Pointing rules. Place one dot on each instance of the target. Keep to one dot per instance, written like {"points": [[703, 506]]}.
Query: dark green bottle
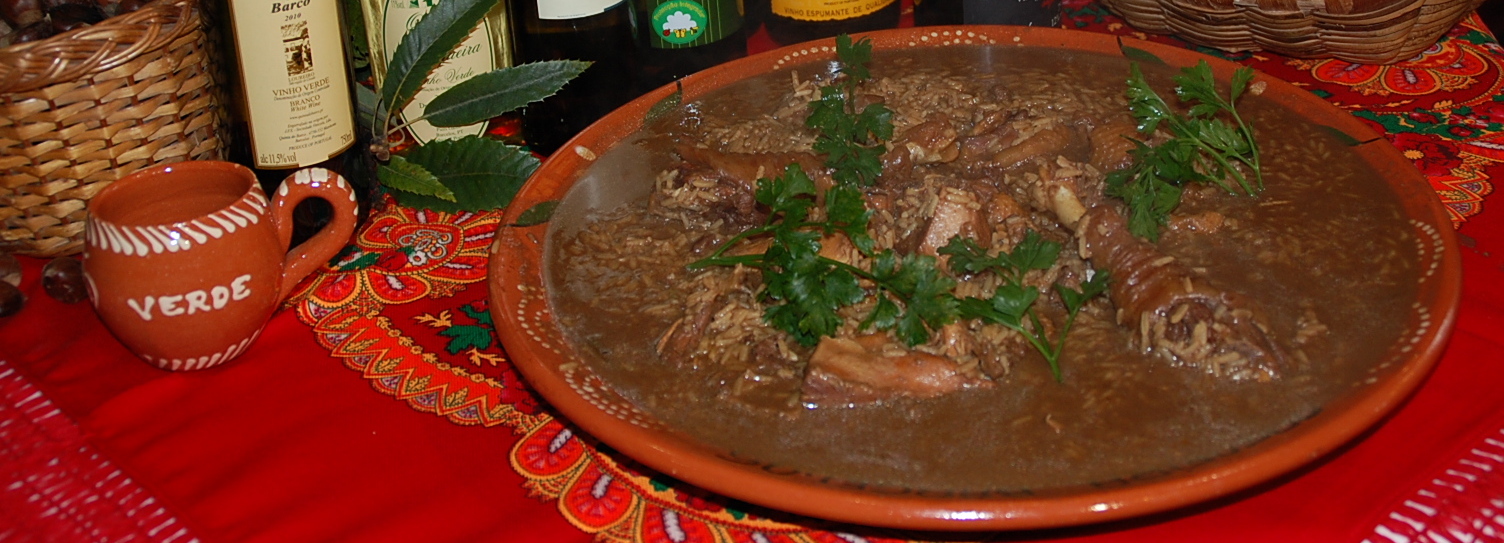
{"points": [[600, 31], [681, 37]]}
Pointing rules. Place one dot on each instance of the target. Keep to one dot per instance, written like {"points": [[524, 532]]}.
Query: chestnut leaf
{"points": [[482, 173], [412, 179], [501, 91]]}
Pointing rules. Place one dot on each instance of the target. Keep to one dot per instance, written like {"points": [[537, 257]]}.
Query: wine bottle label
{"points": [[679, 24], [574, 9], [827, 10], [475, 56], [293, 77]]}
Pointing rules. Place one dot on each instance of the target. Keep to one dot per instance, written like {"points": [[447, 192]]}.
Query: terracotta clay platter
{"points": [[553, 365]]}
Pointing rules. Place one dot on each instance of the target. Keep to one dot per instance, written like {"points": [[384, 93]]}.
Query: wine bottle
{"points": [[987, 12], [794, 21], [487, 48], [600, 31], [938, 12], [291, 94], [681, 37]]}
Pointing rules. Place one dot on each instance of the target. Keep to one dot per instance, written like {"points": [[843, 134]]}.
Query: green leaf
{"points": [[884, 316], [413, 179], [1140, 55], [1241, 77], [854, 56], [538, 214], [927, 293], [426, 45], [667, 104], [1011, 302], [465, 336], [846, 212], [501, 91], [790, 194], [1198, 84], [365, 102], [968, 257], [1033, 253], [1075, 299], [1342, 137], [483, 173]]}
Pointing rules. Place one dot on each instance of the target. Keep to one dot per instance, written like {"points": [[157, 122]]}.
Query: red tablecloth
{"points": [[379, 407]]}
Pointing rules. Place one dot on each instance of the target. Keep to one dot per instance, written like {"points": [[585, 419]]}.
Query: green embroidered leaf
{"points": [[413, 179], [465, 336], [426, 45], [481, 316], [538, 214], [483, 174], [493, 93]]}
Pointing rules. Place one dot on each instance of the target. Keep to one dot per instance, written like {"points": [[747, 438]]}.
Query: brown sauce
{"points": [[1325, 242]]}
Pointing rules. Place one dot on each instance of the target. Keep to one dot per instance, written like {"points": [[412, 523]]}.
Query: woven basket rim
{"points": [[110, 43]]}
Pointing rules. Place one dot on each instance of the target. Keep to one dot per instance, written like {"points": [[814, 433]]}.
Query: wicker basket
{"points": [[1363, 31], [88, 106]]}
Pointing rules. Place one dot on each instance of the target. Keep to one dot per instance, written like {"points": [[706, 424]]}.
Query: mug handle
{"points": [[309, 255]]}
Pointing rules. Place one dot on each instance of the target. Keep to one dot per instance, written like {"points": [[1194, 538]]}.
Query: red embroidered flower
{"points": [[516, 393], [1432, 156], [1462, 130], [403, 254], [1490, 111], [1424, 117]]}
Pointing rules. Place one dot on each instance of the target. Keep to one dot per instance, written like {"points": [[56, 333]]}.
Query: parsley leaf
{"points": [[1203, 147], [804, 293], [1012, 302]]}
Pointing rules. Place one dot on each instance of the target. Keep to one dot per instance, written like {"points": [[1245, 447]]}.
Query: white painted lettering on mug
{"points": [[197, 301]]}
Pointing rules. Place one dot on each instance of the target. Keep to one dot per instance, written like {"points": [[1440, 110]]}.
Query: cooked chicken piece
{"points": [[872, 368], [1110, 144], [957, 213], [1178, 314]]}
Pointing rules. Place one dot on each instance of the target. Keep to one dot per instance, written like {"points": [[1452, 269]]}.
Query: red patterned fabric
{"points": [[58, 489], [1463, 501], [381, 408]]}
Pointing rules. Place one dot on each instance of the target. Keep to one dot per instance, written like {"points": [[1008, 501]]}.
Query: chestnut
{"points": [[67, 17], [63, 280], [39, 30], [48, 5], [21, 12], [127, 6], [10, 269], [11, 299]]}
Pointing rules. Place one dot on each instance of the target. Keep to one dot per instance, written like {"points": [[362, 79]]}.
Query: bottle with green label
{"points": [[681, 37]]}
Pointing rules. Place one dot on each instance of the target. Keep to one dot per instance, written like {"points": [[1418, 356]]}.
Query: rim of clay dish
{"points": [[540, 352]]}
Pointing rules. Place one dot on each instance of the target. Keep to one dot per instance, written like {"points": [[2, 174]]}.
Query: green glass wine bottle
{"points": [[681, 37], [600, 31]]}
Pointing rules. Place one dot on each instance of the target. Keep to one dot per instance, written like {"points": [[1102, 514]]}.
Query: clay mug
{"points": [[186, 262]]}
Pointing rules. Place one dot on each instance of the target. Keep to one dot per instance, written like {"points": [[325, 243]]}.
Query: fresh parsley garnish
{"points": [[804, 292], [1013, 302], [851, 140], [1203, 146]]}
